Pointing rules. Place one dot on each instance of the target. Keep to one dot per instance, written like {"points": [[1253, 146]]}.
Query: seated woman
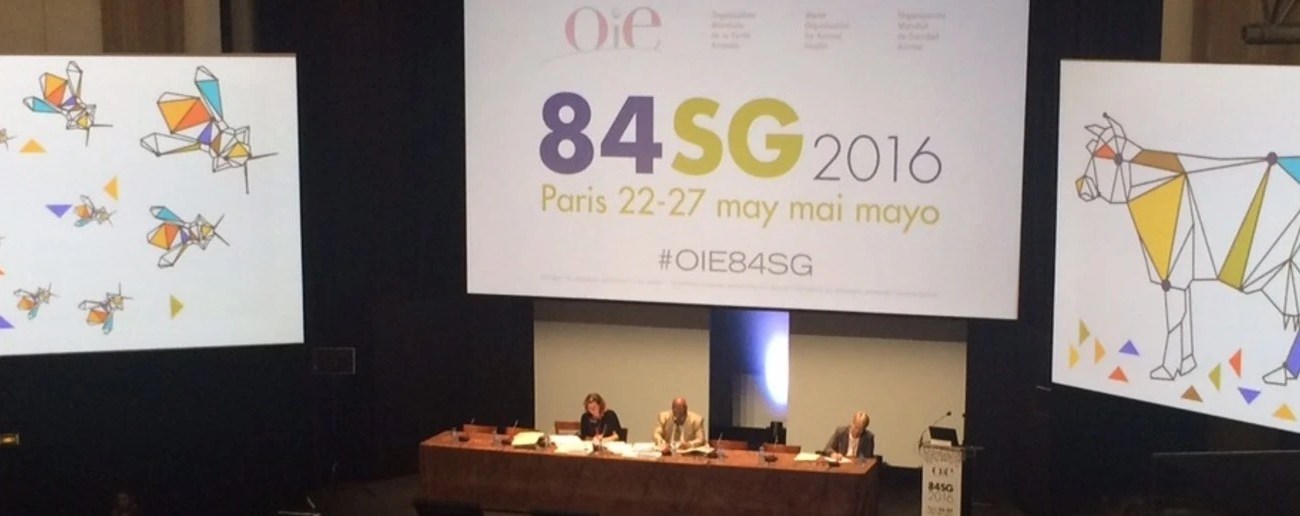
{"points": [[598, 423]]}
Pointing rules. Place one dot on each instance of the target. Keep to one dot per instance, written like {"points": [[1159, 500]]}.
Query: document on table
{"points": [[565, 439], [617, 447], [579, 448], [814, 457], [698, 450]]}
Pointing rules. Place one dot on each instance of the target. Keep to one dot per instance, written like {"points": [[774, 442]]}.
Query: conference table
{"points": [[494, 476]]}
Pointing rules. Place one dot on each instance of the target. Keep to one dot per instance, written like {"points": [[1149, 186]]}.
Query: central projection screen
{"points": [[827, 155], [148, 203]]}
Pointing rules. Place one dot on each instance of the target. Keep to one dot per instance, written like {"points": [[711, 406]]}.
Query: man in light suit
{"points": [[852, 441], [679, 428]]}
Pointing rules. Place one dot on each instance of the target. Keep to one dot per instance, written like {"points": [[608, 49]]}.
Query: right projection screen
{"points": [[1178, 196]]}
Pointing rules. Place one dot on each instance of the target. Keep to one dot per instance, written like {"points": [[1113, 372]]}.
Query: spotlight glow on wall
{"points": [[776, 368]]}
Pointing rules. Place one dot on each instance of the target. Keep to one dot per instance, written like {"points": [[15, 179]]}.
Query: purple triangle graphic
{"points": [[58, 209], [4, 325], [1248, 394], [1129, 349]]}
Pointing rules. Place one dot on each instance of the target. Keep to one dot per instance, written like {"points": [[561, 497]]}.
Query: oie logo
{"points": [[588, 30]]}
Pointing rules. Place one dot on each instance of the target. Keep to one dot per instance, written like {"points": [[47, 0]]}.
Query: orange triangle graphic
{"points": [[1098, 351], [1235, 361], [111, 188], [1105, 152], [32, 147], [1118, 375], [1191, 394]]}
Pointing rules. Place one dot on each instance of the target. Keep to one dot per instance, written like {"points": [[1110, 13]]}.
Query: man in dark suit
{"points": [[852, 441]]}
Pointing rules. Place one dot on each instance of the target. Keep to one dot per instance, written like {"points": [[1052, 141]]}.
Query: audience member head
{"points": [[594, 405], [860, 422], [124, 505]]}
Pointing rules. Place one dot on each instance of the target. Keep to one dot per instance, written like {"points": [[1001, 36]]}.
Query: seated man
{"points": [[852, 441], [679, 428]]}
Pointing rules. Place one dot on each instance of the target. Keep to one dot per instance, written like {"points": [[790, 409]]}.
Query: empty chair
{"points": [[478, 429], [781, 448], [724, 444], [567, 427]]}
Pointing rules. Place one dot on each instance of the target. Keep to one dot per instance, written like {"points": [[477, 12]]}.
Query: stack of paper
{"points": [[526, 439]]}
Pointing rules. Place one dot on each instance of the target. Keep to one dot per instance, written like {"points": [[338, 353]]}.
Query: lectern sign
{"points": [[941, 481]]}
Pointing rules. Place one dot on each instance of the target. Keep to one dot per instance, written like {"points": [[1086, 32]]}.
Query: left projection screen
{"points": [[148, 203]]}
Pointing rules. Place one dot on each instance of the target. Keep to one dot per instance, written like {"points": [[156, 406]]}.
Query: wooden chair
{"points": [[567, 427], [725, 444], [478, 429], [781, 448]]}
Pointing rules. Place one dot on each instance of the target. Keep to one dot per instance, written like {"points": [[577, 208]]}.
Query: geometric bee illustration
{"points": [[31, 302], [102, 312], [5, 138], [62, 96], [174, 235], [198, 124], [87, 212]]}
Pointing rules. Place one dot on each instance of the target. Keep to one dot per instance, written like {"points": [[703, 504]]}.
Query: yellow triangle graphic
{"points": [[111, 188], [1215, 375], [1098, 350], [1155, 214], [1284, 412], [32, 147], [1234, 267], [177, 306], [1074, 356], [1083, 332]]}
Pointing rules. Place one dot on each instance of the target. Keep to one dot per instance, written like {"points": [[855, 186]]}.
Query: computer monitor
{"points": [[939, 433]]}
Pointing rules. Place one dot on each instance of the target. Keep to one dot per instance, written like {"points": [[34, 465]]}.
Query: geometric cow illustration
{"points": [[1232, 220]]}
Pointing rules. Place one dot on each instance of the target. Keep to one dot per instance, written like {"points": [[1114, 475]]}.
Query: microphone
{"points": [[920, 439], [713, 452], [464, 436], [506, 437]]}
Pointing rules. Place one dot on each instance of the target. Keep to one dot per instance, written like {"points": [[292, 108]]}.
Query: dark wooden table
{"points": [[499, 477]]}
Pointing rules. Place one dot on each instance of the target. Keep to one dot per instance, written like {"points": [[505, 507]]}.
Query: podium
{"points": [[941, 478]]}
